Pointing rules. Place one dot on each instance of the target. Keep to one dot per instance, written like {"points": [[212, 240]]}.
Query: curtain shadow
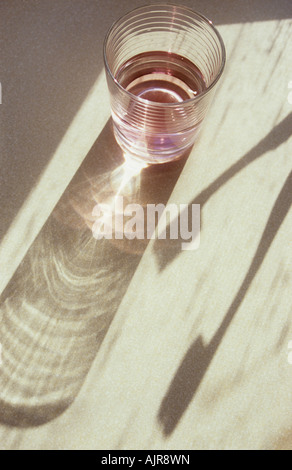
{"points": [[197, 360], [56, 310], [166, 253]]}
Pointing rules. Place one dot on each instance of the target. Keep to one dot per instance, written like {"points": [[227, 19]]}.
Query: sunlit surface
{"points": [[135, 344]]}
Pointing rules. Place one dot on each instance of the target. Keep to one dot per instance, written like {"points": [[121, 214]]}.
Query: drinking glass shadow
{"points": [[58, 306]]}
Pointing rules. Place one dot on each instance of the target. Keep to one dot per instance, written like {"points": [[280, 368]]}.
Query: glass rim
{"points": [[156, 7]]}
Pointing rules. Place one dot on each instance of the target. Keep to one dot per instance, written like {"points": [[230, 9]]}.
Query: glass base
{"points": [[143, 155]]}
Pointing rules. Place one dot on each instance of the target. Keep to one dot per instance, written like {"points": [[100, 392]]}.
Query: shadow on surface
{"points": [[58, 306], [51, 55], [278, 135], [47, 70], [199, 356]]}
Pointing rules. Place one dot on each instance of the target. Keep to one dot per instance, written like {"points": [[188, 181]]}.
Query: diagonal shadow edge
{"points": [[271, 141], [199, 356]]}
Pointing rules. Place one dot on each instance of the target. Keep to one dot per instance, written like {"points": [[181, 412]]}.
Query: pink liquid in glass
{"points": [[165, 78]]}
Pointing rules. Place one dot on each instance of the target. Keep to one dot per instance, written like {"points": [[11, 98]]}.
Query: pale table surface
{"points": [[124, 345]]}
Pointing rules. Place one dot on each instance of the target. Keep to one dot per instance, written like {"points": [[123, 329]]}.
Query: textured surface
{"points": [[123, 346]]}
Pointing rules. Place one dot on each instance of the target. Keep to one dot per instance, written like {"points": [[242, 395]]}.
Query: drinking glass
{"points": [[162, 63]]}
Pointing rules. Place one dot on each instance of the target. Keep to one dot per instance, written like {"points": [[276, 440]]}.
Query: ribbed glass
{"points": [[154, 131]]}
